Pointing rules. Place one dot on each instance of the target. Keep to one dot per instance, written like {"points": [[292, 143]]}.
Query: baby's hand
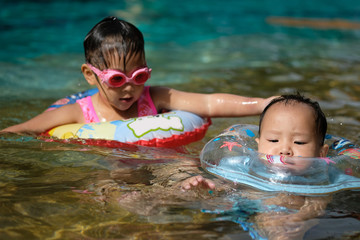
{"points": [[197, 181]]}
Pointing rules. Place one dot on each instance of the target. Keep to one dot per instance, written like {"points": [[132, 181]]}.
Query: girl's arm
{"points": [[208, 105], [67, 114]]}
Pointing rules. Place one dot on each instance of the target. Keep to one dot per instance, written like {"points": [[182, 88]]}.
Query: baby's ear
{"points": [[88, 74], [257, 140], [324, 150]]}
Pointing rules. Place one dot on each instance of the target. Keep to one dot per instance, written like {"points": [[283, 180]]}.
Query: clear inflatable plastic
{"points": [[232, 155]]}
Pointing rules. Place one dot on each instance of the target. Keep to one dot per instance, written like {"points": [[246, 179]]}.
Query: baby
{"points": [[290, 126]]}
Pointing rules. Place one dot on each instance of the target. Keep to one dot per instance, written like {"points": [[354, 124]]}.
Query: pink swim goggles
{"points": [[115, 78]]}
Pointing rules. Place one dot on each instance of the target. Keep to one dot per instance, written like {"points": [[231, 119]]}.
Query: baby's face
{"points": [[289, 130]]}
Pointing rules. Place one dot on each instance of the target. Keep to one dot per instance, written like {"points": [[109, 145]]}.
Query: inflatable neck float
{"points": [[232, 156], [171, 129]]}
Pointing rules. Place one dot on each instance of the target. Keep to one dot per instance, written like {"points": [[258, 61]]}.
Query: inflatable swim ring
{"points": [[171, 129], [232, 156], [72, 98]]}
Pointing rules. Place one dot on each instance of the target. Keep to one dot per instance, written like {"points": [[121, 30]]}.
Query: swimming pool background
{"points": [[202, 46], [215, 46]]}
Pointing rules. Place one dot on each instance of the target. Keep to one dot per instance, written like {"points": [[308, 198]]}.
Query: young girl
{"points": [[115, 63]]}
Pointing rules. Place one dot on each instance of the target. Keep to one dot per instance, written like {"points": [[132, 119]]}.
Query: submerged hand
{"points": [[197, 181]]}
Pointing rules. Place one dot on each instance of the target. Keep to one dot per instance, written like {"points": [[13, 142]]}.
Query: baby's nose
{"points": [[286, 151]]}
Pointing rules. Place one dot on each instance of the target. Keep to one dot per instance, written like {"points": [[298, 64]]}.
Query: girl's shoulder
{"points": [[159, 89], [70, 112], [160, 96]]}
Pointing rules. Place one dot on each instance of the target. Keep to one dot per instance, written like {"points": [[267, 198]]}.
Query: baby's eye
{"points": [[273, 140], [299, 142]]}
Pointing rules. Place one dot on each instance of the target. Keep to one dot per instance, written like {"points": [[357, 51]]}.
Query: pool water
{"points": [[51, 190]]}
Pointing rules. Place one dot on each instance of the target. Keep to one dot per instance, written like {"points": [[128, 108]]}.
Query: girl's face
{"points": [[123, 97]]}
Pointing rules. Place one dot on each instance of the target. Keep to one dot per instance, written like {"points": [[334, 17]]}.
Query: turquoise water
{"points": [[202, 46]]}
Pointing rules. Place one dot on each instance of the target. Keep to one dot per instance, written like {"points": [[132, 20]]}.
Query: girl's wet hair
{"points": [[112, 39], [320, 119]]}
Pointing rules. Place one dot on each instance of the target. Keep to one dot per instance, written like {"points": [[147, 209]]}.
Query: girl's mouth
{"points": [[128, 99]]}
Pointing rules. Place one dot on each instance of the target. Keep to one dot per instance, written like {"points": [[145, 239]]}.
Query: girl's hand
{"points": [[267, 101], [197, 181]]}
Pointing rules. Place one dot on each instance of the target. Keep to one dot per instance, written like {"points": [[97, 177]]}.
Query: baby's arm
{"points": [[313, 207], [208, 105], [67, 114]]}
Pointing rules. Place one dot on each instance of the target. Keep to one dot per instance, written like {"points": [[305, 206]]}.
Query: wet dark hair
{"points": [[320, 119], [112, 36]]}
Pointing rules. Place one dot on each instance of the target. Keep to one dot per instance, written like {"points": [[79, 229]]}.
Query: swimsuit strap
{"points": [[88, 109], [146, 105]]}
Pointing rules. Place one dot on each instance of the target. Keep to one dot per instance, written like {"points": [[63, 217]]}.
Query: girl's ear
{"points": [[257, 140], [324, 150], [88, 74]]}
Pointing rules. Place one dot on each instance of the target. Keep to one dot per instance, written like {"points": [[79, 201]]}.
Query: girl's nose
{"points": [[128, 86]]}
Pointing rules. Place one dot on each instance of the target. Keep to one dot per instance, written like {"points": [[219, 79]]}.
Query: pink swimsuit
{"points": [[146, 106]]}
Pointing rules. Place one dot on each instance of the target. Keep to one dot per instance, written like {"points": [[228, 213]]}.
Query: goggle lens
{"points": [[141, 78], [116, 81]]}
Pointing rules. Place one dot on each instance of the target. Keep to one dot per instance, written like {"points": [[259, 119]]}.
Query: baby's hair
{"points": [[320, 119], [112, 39]]}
